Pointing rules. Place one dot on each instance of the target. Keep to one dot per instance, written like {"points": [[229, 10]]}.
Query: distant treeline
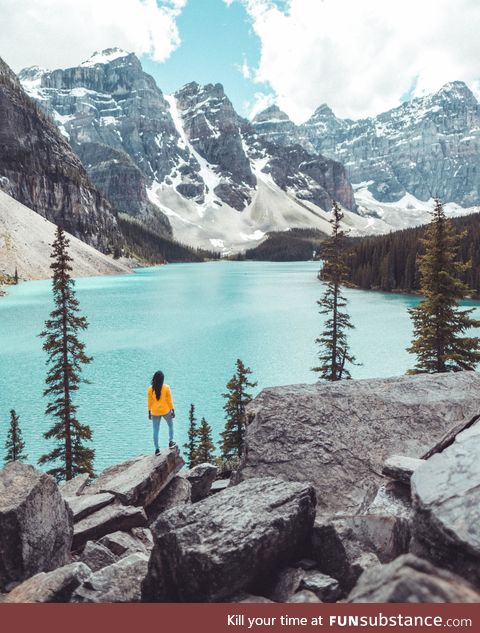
{"points": [[147, 245], [287, 246], [388, 262]]}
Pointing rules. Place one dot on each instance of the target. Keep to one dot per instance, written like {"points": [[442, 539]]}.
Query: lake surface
{"points": [[192, 321]]}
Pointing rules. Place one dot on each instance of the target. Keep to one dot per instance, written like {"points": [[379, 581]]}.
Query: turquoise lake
{"points": [[192, 321]]}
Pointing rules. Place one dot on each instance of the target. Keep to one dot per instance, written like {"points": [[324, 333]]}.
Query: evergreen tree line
{"points": [[441, 273], [389, 262], [143, 242], [286, 246], [200, 448]]}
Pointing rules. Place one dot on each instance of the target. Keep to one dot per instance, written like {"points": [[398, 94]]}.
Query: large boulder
{"points": [[124, 543], [177, 493], [106, 520], [344, 546], [446, 500], [235, 540], [120, 582], [75, 486], [324, 433], [83, 505], [35, 524], [201, 478], [97, 556], [392, 498], [53, 586], [411, 579], [138, 481]]}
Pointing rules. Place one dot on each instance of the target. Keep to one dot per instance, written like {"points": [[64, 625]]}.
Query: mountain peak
{"points": [[456, 90], [323, 111], [272, 113], [105, 57]]}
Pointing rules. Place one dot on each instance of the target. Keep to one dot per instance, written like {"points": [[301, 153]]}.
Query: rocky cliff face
{"points": [[39, 169], [427, 147], [190, 154]]}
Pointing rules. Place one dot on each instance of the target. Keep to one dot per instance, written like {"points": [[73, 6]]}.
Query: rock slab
{"points": [[53, 586], [233, 541], [35, 524], [411, 579], [138, 481], [324, 433], [120, 582], [107, 520], [401, 468], [201, 478], [446, 501]]}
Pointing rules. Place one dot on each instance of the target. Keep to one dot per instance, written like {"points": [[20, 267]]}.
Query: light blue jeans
{"points": [[156, 427]]}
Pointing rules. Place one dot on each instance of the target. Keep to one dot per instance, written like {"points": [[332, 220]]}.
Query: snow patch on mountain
{"points": [[104, 57]]}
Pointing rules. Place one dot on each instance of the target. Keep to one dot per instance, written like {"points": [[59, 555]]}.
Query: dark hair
{"points": [[157, 383]]}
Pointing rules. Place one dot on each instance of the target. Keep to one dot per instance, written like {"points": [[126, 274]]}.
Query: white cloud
{"points": [[260, 102], [245, 70], [61, 33], [360, 57]]}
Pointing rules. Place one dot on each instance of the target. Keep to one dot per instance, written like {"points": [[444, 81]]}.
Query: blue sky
{"points": [[216, 40]]}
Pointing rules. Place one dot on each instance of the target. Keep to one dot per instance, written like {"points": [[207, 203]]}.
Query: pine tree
{"points": [[334, 348], [237, 398], [66, 355], [15, 444], [206, 447], [438, 323], [192, 444]]}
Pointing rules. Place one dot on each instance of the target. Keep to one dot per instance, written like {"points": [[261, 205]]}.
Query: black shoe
{"points": [[171, 444], [157, 451]]}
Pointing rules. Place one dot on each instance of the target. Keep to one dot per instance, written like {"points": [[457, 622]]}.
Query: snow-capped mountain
{"points": [[189, 156], [426, 147], [39, 169]]}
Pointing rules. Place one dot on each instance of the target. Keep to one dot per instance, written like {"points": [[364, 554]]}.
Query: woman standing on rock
{"points": [[160, 405]]}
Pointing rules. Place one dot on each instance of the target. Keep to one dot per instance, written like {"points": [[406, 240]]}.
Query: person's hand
{"points": [[149, 415], [172, 413]]}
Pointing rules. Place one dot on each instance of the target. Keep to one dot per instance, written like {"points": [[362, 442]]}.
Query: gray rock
{"points": [[144, 535], [286, 584], [52, 586], [75, 486], [340, 542], [391, 499], [324, 587], [324, 433], [446, 500], [401, 468], [106, 520], [83, 505], [35, 524], [97, 556], [235, 540], [138, 481], [123, 544], [304, 596], [218, 485], [411, 579], [201, 478], [177, 493], [120, 582]]}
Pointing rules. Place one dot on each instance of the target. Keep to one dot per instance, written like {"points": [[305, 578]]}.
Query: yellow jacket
{"points": [[162, 406]]}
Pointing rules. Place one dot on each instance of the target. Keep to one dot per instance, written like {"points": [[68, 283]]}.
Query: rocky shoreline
{"points": [[370, 495]]}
